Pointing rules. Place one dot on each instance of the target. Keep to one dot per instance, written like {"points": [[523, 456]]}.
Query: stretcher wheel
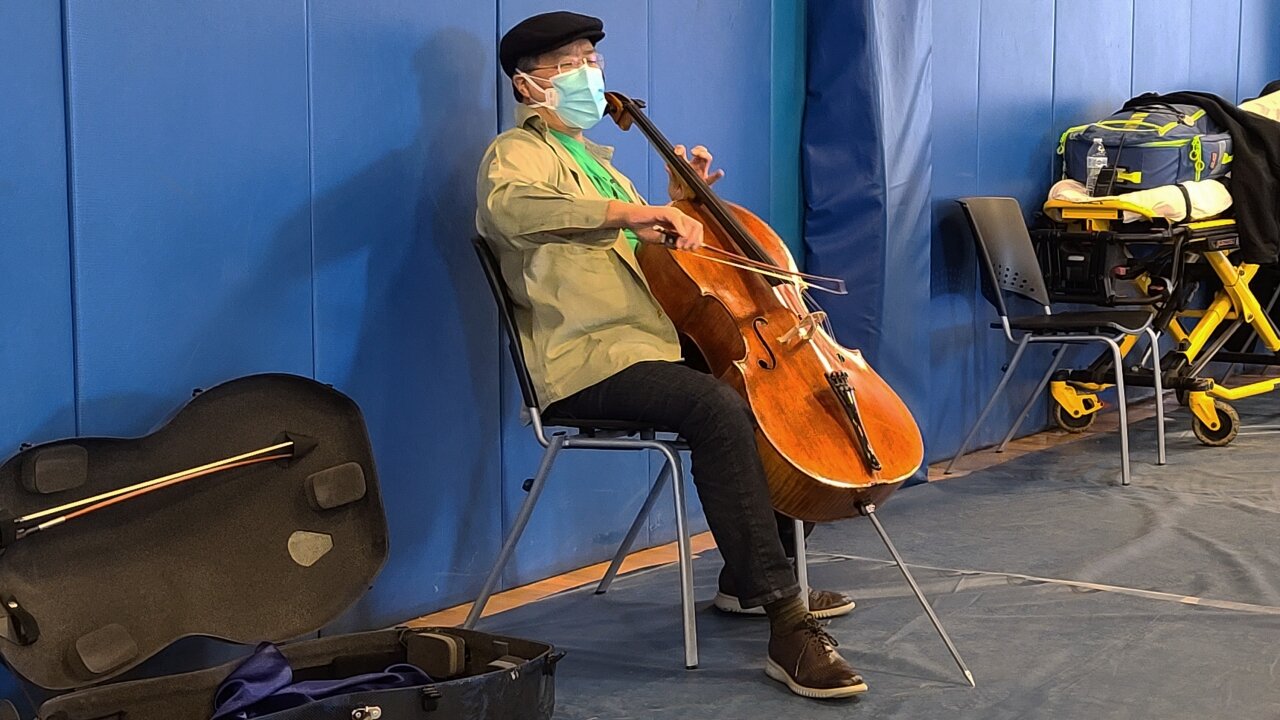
{"points": [[1181, 395], [1229, 426], [1064, 420]]}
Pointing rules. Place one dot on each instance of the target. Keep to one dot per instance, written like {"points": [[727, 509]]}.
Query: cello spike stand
{"points": [[869, 510]]}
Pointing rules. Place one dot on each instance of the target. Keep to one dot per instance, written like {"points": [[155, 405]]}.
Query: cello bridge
{"points": [[806, 326]]}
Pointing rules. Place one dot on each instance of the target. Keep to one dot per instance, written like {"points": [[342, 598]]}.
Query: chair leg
{"points": [[1004, 380], [517, 529], [1155, 370], [1035, 395], [686, 558], [802, 563], [1121, 403], [630, 539]]}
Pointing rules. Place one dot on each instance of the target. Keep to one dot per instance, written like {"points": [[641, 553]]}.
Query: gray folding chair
{"points": [[1008, 264]]}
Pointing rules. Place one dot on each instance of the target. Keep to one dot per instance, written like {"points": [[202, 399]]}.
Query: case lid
{"points": [[261, 552]]}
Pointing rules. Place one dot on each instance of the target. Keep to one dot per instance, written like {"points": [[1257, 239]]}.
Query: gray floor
{"points": [[1205, 526]]}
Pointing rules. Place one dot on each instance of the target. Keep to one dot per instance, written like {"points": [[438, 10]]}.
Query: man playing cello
{"points": [[564, 224]]}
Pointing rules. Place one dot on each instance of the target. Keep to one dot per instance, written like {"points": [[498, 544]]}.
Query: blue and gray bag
{"points": [[1150, 146]]}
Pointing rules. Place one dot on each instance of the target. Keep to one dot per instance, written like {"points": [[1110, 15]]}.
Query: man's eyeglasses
{"points": [[595, 60]]}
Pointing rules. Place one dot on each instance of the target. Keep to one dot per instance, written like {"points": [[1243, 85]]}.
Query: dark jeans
{"points": [[720, 430]]}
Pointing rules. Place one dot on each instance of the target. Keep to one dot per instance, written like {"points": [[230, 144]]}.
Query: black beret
{"points": [[546, 32]]}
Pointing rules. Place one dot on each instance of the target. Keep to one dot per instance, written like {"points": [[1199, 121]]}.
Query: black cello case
{"points": [[268, 552]]}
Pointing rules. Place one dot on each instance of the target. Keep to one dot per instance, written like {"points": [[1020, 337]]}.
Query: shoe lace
{"points": [[818, 631]]}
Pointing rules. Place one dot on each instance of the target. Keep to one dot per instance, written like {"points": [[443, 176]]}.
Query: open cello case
{"points": [[253, 515]]}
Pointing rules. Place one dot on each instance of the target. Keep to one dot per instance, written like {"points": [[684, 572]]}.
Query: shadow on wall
{"points": [[397, 282]]}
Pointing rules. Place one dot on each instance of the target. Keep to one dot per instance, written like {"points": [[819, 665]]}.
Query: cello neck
{"points": [[626, 111]]}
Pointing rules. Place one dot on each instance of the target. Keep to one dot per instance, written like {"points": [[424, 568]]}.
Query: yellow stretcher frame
{"points": [[1233, 300]]}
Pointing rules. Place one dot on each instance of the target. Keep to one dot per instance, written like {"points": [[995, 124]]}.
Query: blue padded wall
{"points": [[907, 174], [37, 383], [188, 141], [998, 142], [402, 107], [786, 205], [37, 386], [1259, 48], [216, 189], [1008, 77], [1162, 66], [1215, 46]]}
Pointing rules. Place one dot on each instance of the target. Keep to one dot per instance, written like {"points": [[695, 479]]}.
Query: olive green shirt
{"points": [[583, 308]]}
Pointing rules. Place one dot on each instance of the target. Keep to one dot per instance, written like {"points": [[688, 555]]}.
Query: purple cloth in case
{"points": [[264, 684]]}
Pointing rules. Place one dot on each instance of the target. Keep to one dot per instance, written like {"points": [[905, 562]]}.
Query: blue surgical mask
{"points": [[577, 96]]}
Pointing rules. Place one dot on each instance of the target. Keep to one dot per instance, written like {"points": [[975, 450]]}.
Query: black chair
{"points": [[1008, 264], [603, 434]]}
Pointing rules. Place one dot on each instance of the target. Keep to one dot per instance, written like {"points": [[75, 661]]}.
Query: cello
{"points": [[834, 437]]}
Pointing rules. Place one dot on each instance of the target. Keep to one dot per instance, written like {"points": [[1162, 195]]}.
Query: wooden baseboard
{"points": [[515, 597]]}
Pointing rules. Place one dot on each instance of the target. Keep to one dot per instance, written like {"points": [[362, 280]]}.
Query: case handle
{"points": [[23, 628]]}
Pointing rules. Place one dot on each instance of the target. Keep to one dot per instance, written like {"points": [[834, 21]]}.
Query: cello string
{"points": [[817, 307]]}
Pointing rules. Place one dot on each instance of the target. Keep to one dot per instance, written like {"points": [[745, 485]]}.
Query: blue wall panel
{"points": [[954, 300], [1015, 132], [1162, 50], [990, 118], [702, 45], [402, 107], [1259, 51], [1092, 59], [1015, 98], [787, 53], [189, 163], [1215, 47], [37, 388]]}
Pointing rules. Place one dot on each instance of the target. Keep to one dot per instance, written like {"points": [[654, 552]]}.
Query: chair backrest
{"points": [[1005, 253], [507, 316]]}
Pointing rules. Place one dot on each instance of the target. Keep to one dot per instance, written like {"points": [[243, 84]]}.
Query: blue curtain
{"points": [[867, 179]]}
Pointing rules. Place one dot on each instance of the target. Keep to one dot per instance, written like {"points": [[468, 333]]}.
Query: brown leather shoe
{"points": [[822, 604], [806, 661]]}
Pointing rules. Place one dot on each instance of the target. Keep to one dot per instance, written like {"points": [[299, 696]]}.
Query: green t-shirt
{"points": [[604, 182]]}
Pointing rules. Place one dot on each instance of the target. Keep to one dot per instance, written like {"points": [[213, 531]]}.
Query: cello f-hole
{"points": [[772, 362]]}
